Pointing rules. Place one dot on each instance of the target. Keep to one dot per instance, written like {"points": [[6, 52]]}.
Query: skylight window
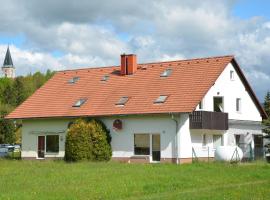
{"points": [[161, 99], [73, 80], [122, 101], [166, 73], [80, 102], [105, 78]]}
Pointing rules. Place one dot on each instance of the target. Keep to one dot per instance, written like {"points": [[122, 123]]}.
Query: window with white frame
{"points": [[238, 105], [201, 105], [141, 144], [232, 75], [204, 140]]}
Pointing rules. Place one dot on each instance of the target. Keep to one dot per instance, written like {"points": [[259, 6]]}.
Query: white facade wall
{"points": [[249, 115], [122, 141], [230, 90], [33, 128]]}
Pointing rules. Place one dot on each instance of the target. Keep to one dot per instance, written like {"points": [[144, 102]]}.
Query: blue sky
{"points": [[250, 8], [63, 34]]}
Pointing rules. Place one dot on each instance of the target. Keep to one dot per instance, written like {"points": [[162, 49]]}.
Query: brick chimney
{"points": [[128, 64]]}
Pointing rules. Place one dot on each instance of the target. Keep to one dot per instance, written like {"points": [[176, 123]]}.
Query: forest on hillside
{"points": [[12, 93]]}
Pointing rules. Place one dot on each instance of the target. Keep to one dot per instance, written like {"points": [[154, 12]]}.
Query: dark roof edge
{"points": [[249, 89]]}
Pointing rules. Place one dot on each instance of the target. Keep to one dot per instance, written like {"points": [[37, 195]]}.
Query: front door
{"points": [[41, 146], [155, 147], [258, 146]]}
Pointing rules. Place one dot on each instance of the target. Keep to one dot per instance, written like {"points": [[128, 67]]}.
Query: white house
{"points": [[156, 112]]}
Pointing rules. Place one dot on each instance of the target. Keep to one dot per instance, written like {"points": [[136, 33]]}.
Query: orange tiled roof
{"points": [[185, 87]]}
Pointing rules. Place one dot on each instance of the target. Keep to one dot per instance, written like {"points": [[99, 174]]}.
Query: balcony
{"points": [[208, 120]]}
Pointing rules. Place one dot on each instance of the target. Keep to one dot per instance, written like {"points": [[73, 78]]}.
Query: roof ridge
{"points": [[150, 63], [190, 59]]}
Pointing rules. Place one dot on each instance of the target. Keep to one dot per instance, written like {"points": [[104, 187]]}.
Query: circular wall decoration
{"points": [[117, 124]]}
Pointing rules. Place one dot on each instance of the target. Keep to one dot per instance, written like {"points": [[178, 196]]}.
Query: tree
{"points": [[19, 89], [266, 122], [12, 93], [7, 127], [266, 106], [87, 140], [266, 103]]}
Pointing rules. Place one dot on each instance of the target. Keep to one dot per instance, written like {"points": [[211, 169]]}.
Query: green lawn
{"points": [[59, 180]]}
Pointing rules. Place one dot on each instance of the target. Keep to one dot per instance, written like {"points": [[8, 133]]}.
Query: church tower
{"points": [[8, 69]]}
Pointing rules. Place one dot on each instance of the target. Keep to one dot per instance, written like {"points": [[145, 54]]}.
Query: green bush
{"points": [[87, 140]]}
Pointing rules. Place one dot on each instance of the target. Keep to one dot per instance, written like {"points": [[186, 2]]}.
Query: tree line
{"points": [[12, 93]]}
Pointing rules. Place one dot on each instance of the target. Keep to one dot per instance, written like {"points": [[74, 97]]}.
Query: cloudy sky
{"points": [[66, 34]]}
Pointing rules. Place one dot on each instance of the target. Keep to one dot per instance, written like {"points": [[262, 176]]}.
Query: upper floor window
{"points": [[201, 105], [232, 75], [218, 104], [238, 105]]}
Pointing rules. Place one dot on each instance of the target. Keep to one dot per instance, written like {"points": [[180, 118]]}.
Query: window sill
{"points": [[51, 153], [140, 155]]}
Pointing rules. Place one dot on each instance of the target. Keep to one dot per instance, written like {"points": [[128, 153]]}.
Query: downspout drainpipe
{"points": [[176, 143]]}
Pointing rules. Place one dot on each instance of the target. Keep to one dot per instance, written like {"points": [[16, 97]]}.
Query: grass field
{"points": [[59, 180]]}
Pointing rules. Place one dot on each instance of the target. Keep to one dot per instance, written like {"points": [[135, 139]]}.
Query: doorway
{"points": [[156, 147], [41, 146], [218, 104], [258, 146]]}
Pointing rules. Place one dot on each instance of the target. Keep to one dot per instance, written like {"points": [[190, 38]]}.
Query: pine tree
{"points": [[266, 103], [266, 122], [266, 106]]}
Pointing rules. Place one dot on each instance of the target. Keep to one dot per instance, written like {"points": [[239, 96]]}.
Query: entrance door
{"points": [[155, 147], [258, 146], [41, 146]]}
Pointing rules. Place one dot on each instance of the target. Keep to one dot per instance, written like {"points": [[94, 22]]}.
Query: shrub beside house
{"points": [[87, 140]]}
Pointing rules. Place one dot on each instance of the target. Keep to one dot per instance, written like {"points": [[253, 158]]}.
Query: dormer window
{"points": [[105, 78], [73, 80], [80, 102], [161, 99], [166, 73], [232, 75], [122, 101]]}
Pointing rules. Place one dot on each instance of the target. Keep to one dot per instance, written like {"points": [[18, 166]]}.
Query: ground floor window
{"points": [[204, 141], [52, 143], [141, 144], [217, 141], [237, 140], [147, 144]]}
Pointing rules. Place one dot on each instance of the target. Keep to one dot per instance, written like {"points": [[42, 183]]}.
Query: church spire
{"points": [[8, 68], [8, 60]]}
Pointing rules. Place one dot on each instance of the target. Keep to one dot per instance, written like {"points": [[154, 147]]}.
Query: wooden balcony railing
{"points": [[208, 120]]}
